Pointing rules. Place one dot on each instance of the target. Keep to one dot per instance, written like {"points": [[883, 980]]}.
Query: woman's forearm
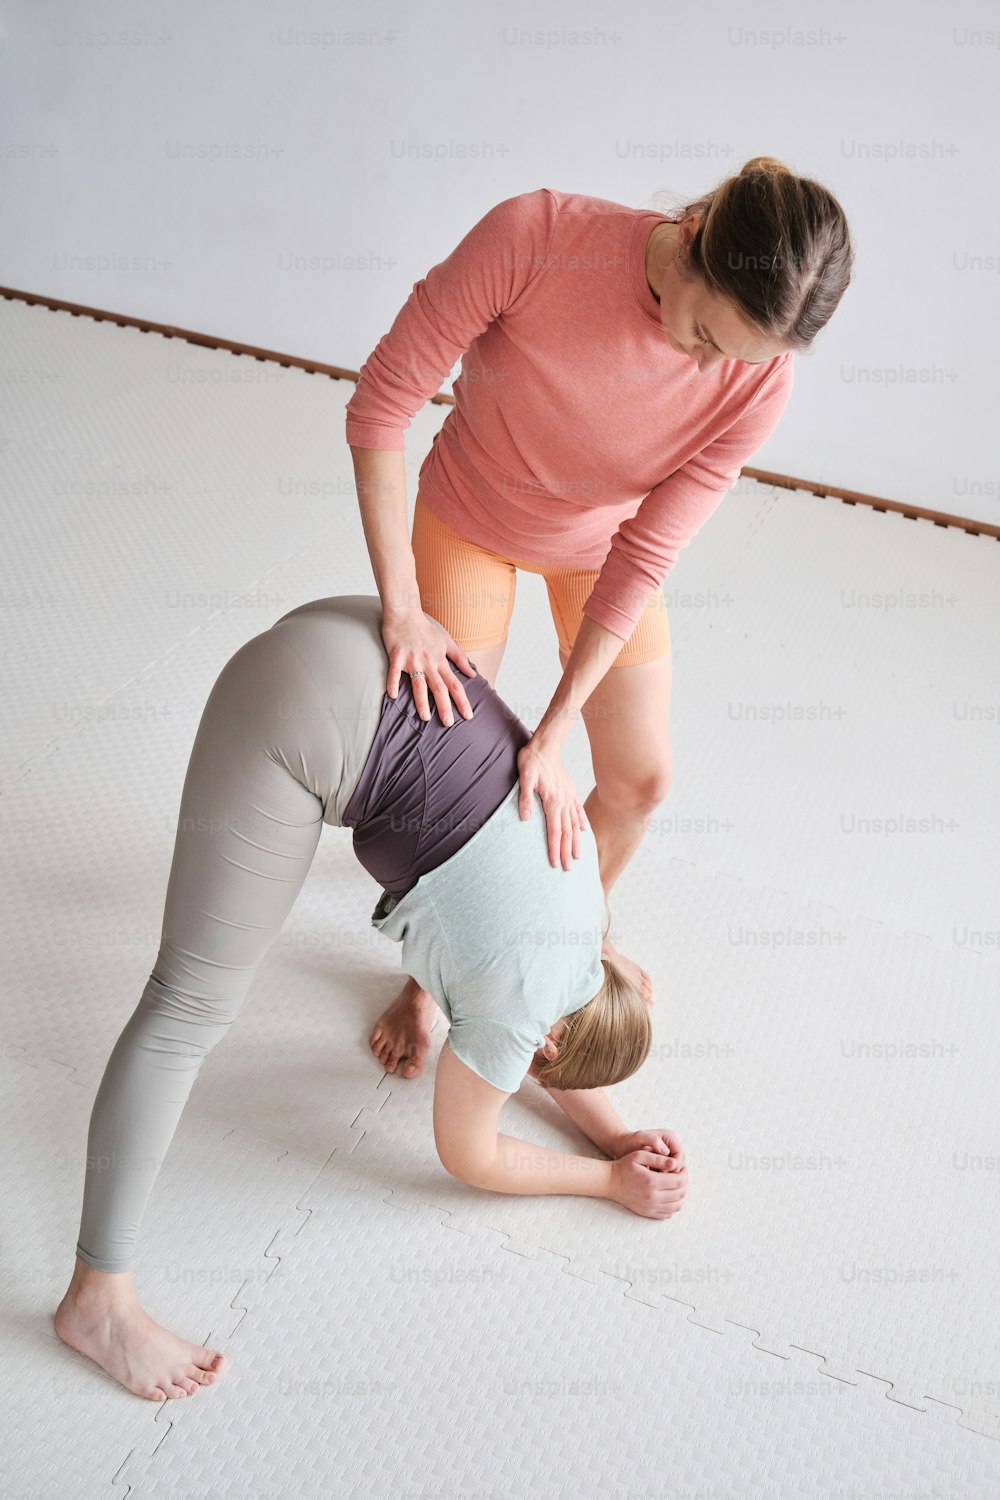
{"points": [[380, 476], [594, 650], [522, 1167], [592, 1112]]}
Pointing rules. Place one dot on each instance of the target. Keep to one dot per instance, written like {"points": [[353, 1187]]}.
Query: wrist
{"points": [[592, 1112], [401, 602], [553, 727], [613, 1145]]}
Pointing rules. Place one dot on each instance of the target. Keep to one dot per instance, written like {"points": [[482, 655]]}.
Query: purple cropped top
{"points": [[425, 789]]}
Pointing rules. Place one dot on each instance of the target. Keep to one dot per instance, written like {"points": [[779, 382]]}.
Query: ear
{"points": [[686, 232]]}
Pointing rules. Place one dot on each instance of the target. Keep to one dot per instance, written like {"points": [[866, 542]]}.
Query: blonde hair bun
{"points": [[769, 164]]}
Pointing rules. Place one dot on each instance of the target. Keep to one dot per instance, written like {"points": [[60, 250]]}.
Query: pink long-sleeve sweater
{"points": [[578, 437]]}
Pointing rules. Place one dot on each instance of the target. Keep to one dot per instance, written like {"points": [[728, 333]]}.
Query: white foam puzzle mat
{"points": [[816, 901]]}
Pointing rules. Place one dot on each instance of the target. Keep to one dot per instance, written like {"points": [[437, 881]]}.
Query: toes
{"points": [[209, 1360]]}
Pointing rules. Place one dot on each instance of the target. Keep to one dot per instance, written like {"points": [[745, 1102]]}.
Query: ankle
{"points": [[92, 1287], [415, 995]]}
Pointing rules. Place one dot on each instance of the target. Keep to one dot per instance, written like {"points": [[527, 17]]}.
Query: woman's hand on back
{"points": [[416, 643], [540, 769], [413, 643]]}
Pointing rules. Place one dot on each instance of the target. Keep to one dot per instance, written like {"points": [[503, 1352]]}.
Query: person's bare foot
{"points": [[631, 970], [108, 1325], [402, 1033]]}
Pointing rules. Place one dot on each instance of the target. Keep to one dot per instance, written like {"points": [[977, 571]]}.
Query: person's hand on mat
{"points": [[540, 769], [642, 1182], [418, 645], [664, 1142]]}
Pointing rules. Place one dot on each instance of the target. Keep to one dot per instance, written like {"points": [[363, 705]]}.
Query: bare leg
{"points": [[627, 723], [617, 841]]}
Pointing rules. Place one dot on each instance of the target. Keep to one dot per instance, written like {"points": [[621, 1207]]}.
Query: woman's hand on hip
{"points": [[540, 769], [417, 644]]}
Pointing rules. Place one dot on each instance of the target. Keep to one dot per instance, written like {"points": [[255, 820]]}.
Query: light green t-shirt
{"points": [[505, 941]]}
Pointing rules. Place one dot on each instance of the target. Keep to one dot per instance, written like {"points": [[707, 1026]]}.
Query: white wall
{"points": [[373, 157]]}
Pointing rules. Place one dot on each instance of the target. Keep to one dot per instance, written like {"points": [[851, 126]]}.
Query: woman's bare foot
{"points": [[402, 1033], [631, 970], [100, 1316]]}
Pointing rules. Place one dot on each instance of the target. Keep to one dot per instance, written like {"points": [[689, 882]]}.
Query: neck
{"points": [[658, 250]]}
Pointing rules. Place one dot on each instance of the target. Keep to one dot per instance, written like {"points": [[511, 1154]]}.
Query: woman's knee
{"points": [[637, 788]]}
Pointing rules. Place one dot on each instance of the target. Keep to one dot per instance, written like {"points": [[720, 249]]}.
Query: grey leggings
{"points": [[281, 744]]}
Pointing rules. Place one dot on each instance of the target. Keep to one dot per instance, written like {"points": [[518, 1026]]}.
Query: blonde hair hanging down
{"points": [[604, 1041]]}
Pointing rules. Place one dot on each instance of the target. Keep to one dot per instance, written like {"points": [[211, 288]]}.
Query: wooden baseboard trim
{"points": [[335, 372]]}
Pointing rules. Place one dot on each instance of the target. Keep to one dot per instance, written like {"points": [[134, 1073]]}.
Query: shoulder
{"points": [[525, 212], [544, 208], [499, 1053]]}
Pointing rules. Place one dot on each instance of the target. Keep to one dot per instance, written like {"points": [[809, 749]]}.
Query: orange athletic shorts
{"points": [[470, 591]]}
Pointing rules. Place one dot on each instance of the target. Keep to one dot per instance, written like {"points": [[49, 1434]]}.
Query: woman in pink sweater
{"points": [[618, 370]]}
